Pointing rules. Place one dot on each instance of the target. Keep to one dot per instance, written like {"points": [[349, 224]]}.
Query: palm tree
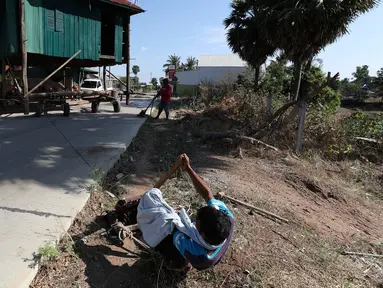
{"points": [[172, 60], [135, 70], [300, 29], [306, 27], [246, 38], [191, 63]]}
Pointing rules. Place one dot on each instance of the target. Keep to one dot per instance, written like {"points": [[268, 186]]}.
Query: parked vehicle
{"points": [[92, 85]]}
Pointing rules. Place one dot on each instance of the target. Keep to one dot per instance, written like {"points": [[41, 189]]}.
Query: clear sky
{"points": [[192, 28]]}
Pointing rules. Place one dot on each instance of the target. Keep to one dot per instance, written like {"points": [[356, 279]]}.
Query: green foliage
{"points": [[362, 76], [328, 98], [98, 176], [191, 64], [135, 70], [49, 251], [136, 82], [354, 91], [154, 82], [277, 79], [172, 60], [361, 124]]}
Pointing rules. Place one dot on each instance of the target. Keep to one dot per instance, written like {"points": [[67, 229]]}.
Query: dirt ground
{"points": [[331, 207]]}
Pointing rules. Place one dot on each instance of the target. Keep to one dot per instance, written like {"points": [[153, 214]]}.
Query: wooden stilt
{"points": [[104, 76], [127, 58], [3, 86], [24, 55]]}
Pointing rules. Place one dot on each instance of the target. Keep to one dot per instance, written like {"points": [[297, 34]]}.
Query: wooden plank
{"points": [[98, 39], [71, 34], [56, 44], [81, 36], [76, 33], [41, 30], [92, 40], [87, 42]]}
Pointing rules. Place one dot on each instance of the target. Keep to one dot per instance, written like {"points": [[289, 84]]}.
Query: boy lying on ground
{"points": [[182, 243]]}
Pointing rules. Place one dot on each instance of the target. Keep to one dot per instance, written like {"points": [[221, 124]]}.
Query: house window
{"points": [[59, 21], [55, 20]]}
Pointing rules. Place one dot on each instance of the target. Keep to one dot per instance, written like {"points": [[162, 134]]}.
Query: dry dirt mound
{"points": [[327, 215]]}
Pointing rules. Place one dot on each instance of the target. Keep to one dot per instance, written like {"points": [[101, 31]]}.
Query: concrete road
{"points": [[45, 167]]}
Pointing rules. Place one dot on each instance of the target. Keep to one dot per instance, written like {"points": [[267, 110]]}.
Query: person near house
{"points": [[166, 94], [184, 244]]}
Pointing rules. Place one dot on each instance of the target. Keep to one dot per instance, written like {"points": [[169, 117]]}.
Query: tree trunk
{"points": [[268, 105], [297, 81], [256, 80], [301, 125]]}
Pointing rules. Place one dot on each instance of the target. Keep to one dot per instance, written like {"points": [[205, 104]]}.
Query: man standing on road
{"points": [[166, 95]]}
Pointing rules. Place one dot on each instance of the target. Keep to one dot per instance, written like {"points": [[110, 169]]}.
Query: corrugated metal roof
{"points": [[127, 3], [229, 60]]}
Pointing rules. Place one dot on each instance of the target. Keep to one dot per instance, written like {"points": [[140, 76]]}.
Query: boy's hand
{"points": [[185, 161]]}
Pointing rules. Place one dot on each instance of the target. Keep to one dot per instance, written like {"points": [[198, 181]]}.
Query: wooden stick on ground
{"points": [[256, 209], [362, 254], [253, 140], [130, 235]]}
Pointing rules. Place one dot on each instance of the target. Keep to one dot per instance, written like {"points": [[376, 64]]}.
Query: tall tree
{"points": [[362, 75], [245, 36], [191, 63], [300, 29], [172, 60], [135, 70], [154, 82]]}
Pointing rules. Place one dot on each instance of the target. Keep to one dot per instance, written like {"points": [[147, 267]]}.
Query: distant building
{"points": [[213, 69]]}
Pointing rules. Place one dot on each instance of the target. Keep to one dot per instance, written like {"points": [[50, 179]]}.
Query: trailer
{"points": [[42, 103]]}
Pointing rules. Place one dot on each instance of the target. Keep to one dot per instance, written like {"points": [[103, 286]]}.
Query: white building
{"points": [[213, 69]]}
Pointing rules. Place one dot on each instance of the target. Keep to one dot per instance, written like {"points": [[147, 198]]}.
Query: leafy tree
{"points": [[277, 78], [172, 60], [154, 82], [378, 81], [135, 70], [191, 63], [362, 76], [136, 82], [300, 29]]}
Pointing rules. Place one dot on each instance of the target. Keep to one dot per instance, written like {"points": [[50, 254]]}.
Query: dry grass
{"points": [[328, 213]]}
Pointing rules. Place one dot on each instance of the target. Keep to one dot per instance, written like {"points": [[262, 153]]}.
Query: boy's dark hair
{"points": [[214, 223]]}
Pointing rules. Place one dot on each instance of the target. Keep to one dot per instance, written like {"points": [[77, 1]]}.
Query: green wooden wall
{"points": [[58, 28], [9, 30], [61, 28], [53, 30]]}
